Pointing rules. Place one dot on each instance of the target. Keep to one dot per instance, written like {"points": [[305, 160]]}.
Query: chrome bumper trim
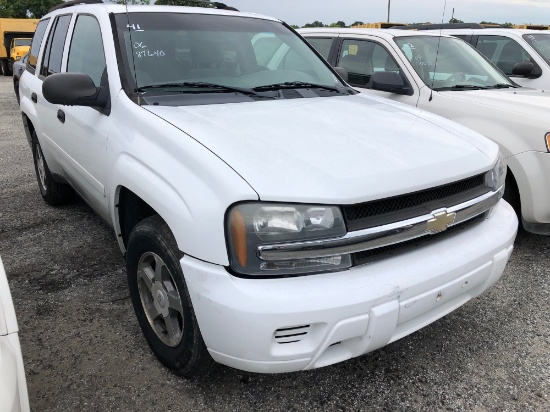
{"points": [[380, 236]]}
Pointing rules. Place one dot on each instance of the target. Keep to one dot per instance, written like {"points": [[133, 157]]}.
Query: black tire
{"points": [[10, 67], [4, 67], [53, 193], [162, 301], [511, 193], [16, 89]]}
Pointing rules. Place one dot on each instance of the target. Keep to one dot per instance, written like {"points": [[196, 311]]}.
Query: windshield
{"points": [[459, 66], [22, 42], [195, 53], [541, 43]]}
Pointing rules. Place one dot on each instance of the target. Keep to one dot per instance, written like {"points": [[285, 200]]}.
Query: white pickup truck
{"points": [[272, 218]]}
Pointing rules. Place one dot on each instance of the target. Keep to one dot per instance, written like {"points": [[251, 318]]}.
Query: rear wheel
{"points": [[4, 67], [52, 192], [16, 88], [161, 300]]}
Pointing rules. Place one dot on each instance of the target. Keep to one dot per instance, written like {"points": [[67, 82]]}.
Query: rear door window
{"points": [[35, 46], [322, 45], [51, 62]]}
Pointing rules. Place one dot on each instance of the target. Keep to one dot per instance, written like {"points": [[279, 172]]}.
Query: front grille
{"points": [[368, 256], [291, 335], [403, 207]]}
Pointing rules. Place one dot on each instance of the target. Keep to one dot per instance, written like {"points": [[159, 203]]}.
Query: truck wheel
{"points": [[10, 67], [4, 67], [16, 89], [53, 193], [161, 300]]}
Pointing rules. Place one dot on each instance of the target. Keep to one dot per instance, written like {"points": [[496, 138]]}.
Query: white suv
{"points": [[522, 54], [272, 218], [450, 78]]}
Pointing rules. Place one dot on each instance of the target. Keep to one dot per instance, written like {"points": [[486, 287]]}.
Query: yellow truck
{"points": [[15, 36]]}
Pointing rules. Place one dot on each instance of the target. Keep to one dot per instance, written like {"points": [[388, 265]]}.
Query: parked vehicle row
{"points": [[448, 77], [273, 219], [522, 54]]}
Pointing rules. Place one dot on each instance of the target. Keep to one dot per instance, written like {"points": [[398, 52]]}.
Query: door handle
{"points": [[61, 116], [34, 97]]}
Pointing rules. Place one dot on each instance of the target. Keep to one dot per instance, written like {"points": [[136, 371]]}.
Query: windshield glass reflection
{"points": [[446, 63]]}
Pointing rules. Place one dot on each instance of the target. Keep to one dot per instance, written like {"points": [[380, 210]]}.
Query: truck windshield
{"points": [[22, 42], [541, 43], [193, 53], [446, 63]]}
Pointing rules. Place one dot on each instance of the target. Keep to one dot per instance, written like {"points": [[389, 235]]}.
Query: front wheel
{"points": [[161, 300]]}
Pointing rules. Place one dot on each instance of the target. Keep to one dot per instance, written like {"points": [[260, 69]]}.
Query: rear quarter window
{"points": [[322, 45]]}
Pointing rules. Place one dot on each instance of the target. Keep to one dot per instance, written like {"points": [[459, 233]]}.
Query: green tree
{"points": [[315, 24], [338, 24], [26, 8], [357, 23], [453, 20]]}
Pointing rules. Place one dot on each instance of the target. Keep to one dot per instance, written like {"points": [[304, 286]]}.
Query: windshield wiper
{"points": [[461, 87], [295, 85], [500, 86], [197, 85]]}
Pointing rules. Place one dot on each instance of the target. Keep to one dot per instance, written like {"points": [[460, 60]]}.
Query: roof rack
{"points": [[217, 5], [74, 3], [440, 26], [71, 3]]}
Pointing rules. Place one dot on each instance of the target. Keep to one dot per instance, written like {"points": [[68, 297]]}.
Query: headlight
{"points": [[17, 57], [250, 225], [547, 138], [497, 175]]}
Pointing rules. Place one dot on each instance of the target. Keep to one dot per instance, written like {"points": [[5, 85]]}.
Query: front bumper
{"points": [[291, 324]]}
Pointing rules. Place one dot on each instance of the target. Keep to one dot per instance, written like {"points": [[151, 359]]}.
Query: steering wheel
{"points": [[477, 81], [456, 77]]}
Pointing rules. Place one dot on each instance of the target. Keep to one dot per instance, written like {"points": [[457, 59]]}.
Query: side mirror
{"points": [[343, 73], [388, 82], [526, 69], [74, 89]]}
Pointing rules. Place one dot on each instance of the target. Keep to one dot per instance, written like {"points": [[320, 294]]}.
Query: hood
{"points": [[523, 100], [334, 150]]}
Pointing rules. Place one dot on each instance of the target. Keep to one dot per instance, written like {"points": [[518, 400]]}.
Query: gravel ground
{"points": [[84, 351]]}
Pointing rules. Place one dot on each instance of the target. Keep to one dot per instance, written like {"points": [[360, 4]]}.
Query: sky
{"points": [[300, 12]]}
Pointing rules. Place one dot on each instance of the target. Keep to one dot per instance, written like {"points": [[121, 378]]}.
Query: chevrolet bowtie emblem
{"points": [[440, 222]]}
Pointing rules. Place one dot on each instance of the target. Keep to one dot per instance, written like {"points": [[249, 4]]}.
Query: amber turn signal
{"points": [[238, 235]]}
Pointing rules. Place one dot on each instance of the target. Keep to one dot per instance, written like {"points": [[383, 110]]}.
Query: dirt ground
{"points": [[84, 351]]}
